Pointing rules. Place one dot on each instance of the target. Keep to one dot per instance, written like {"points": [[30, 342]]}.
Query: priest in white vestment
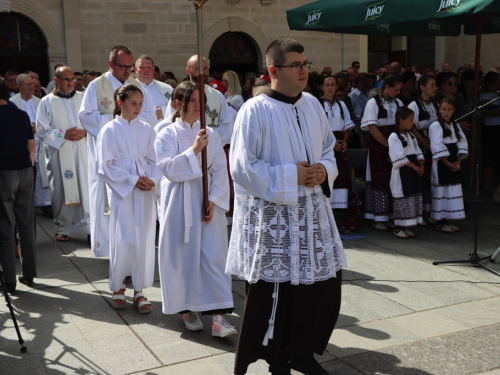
{"points": [[284, 240], [217, 116], [192, 252], [127, 162], [160, 92], [96, 111], [26, 101], [58, 126]]}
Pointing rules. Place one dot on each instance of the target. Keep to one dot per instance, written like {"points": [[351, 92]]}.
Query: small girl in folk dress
{"points": [[426, 111], [406, 177], [127, 163], [449, 147], [193, 247]]}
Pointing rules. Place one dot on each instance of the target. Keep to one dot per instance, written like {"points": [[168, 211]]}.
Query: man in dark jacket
{"points": [[17, 156]]}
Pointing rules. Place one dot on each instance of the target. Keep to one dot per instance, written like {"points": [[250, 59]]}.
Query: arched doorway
{"points": [[22, 46], [235, 51]]}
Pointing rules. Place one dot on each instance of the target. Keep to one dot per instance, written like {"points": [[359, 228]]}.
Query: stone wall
{"points": [[82, 32]]}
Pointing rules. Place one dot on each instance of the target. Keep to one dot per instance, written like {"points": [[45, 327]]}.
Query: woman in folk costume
{"points": [[126, 162], [406, 177], [193, 247], [379, 119], [341, 125], [426, 111], [449, 147]]}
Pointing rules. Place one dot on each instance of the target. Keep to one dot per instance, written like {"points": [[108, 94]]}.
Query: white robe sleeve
{"points": [[154, 173], [418, 151], [117, 178], [218, 191], [438, 148], [413, 106], [462, 145], [348, 123], [174, 166], [274, 183], [52, 137], [370, 116], [225, 127], [90, 116], [148, 112], [397, 152]]}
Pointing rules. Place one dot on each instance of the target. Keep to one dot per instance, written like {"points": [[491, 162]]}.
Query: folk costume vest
{"points": [[66, 159]]}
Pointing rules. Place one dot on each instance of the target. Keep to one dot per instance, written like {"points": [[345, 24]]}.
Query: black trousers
{"points": [[17, 208], [305, 318]]}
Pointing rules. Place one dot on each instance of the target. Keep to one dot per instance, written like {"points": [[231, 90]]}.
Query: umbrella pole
{"points": [[201, 84], [479, 33]]}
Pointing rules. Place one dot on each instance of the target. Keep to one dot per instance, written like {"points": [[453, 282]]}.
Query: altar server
{"points": [[193, 246], [126, 162]]}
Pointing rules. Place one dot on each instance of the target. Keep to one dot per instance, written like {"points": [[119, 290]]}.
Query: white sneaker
{"points": [[409, 233], [192, 321], [221, 327]]}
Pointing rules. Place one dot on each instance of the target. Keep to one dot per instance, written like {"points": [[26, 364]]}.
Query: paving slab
{"points": [[400, 314]]}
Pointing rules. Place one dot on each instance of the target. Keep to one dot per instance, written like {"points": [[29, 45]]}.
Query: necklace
{"points": [[384, 100]]}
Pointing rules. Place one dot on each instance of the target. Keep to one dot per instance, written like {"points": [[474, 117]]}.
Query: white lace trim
{"points": [[279, 243]]}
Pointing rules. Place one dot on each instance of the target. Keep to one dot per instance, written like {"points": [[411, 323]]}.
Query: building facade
{"points": [[80, 33]]}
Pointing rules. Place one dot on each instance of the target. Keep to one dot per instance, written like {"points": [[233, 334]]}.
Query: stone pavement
{"points": [[400, 314]]}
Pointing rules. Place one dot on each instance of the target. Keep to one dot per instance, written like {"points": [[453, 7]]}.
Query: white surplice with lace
{"points": [[282, 231]]}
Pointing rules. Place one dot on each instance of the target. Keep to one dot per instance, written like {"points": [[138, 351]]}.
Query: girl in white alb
{"points": [[193, 245]]}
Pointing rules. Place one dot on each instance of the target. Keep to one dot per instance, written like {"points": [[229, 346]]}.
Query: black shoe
{"points": [[280, 369], [11, 288], [308, 366], [26, 280]]}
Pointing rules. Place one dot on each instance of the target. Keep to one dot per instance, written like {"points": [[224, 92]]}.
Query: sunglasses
{"points": [[452, 83]]}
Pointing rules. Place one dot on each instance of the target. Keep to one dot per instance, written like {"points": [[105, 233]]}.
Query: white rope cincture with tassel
{"points": [[270, 330]]}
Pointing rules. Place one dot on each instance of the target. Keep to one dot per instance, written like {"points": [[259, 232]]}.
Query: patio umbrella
{"points": [[403, 18]]}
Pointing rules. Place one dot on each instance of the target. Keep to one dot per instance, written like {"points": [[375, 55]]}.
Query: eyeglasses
{"points": [[452, 83], [124, 67], [357, 66], [297, 66], [28, 84], [68, 80]]}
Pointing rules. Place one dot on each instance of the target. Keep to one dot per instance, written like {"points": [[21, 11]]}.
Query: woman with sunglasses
{"points": [[448, 85]]}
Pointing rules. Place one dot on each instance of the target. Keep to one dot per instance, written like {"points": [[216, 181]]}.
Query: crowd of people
{"points": [[111, 155]]}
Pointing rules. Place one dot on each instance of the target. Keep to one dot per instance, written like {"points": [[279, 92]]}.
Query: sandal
{"points": [[409, 233], [63, 238], [141, 304], [444, 228], [119, 297], [400, 233], [454, 228], [378, 225]]}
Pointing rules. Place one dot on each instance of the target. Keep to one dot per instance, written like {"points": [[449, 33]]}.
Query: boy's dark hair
{"points": [[277, 50]]}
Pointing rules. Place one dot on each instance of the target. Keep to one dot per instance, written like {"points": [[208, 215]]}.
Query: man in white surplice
{"points": [[26, 101], [95, 112], [284, 240], [217, 109], [58, 126], [160, 92]]}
